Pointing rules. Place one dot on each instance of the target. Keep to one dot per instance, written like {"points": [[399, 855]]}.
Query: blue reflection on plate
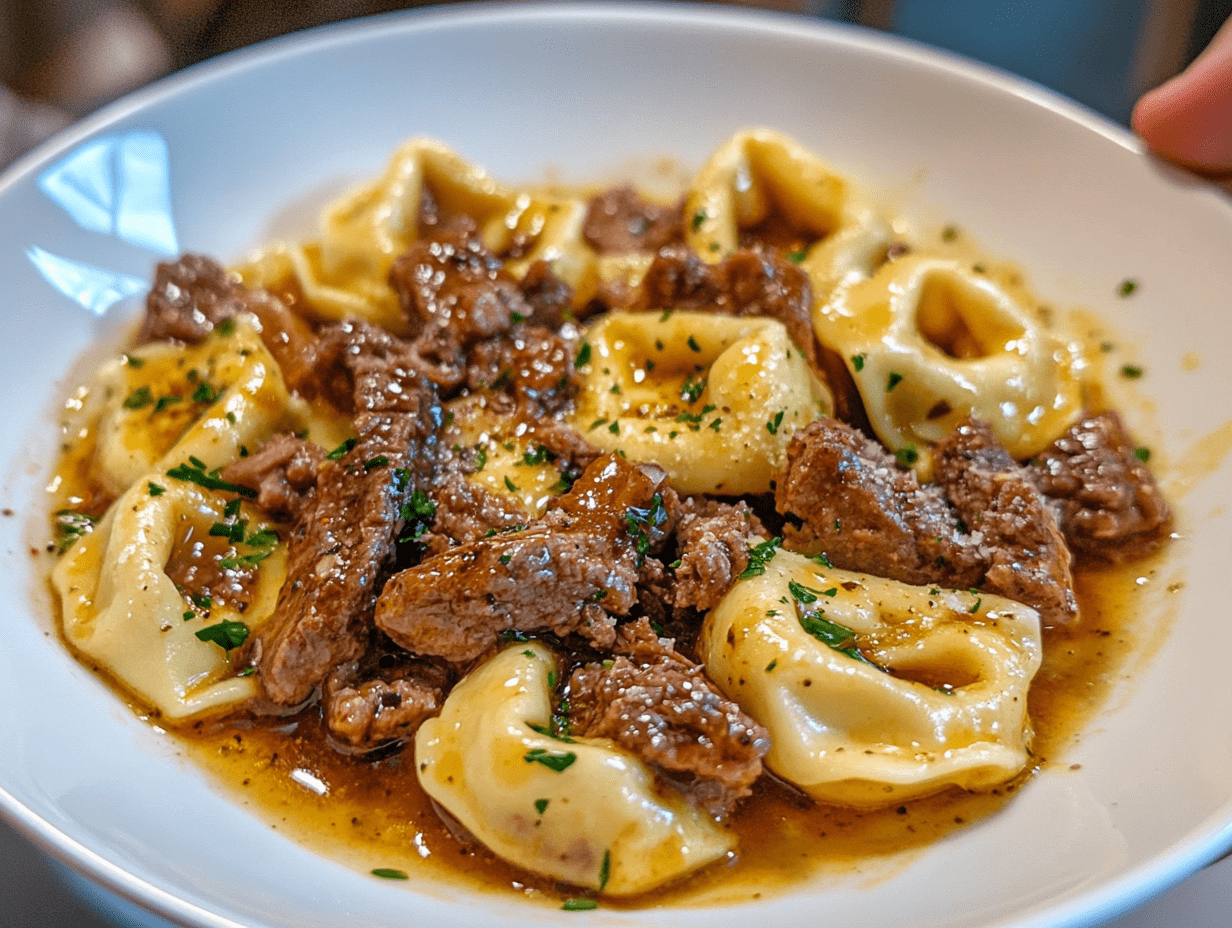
{"points": [[95, 288], [118, 185]]}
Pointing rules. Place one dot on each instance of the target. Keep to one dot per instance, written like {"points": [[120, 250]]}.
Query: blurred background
{"points": [[60, 59]]}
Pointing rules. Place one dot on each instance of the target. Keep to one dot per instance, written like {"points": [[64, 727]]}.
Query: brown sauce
{"points": [[372, 814]]}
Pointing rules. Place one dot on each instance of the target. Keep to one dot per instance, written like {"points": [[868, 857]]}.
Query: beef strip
{"points": [[343, 546], [283, 472], [713, 549], [533, 365], [193, 294], [569, 572], [549, 297], [467, 512], [747, 283], [852, 501], [660, 705], [1028, 560], [385, 699], [619, 220], [994, 532], [1110, 505]]}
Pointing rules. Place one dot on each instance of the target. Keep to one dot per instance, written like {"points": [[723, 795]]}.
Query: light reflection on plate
{"points": [[581, 92]]}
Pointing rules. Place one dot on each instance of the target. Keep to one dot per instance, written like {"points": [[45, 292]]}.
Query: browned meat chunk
{"points": [[854, 503], [343, 546], [189, 297], [535, 366], [569, 572], [1110, 504], [283, 471], [549, 297], [619, 220], [993, 532], [367, 707], [660, 705], [1015, 526], [748, 283], [466, 512], [452, 284], [193, 294], [713, 548]]}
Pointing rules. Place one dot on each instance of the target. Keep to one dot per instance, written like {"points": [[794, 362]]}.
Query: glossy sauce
{"points": [[371, 814]]}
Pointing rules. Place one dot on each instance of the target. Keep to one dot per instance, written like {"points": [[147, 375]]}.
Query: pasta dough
{"points": [[582, 811], [712, 399], [123, 610], [930, 342], [875, 691]]}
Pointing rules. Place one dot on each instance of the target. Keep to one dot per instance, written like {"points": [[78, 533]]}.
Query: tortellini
{"points": [[345, 272], [214, 397], [930, 342], [712, 399], [123, 609], [581, 811], [120, 604], [755, 173], [874, 691]]}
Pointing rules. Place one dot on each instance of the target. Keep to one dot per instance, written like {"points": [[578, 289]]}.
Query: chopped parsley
{"points": [[893, 381], [155, 489], [1132, 371], [583, 356], [907, 455], [698, 218], [71, 525], [795, 257], [541, 805], [138, 399], [205, 393], [579, 905], [342, 450], [194, 472], [693, 345], [169, 400], [389, 873], [1142, 454], [134, 362], [605, 870], [1128, 287], [857, 362], [551, 760], [692, 390], [772, 425], [760, 555], [226, 634]]}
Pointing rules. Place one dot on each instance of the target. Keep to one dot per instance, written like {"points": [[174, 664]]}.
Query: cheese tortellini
{"points": [[930, 342], [121, 606], [212, 397], [875, 691], [712, 399], [125, 611], [345, 272], [581, 811]]}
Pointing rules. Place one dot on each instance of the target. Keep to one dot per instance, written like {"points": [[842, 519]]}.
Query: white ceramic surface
{"points": [[584, 91]]}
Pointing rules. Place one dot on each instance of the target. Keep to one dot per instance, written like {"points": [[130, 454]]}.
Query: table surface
{"points": [[33, 895]]}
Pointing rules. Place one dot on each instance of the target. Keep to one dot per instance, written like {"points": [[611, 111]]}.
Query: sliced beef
{"points": [[569, 572], [387, 700], [983, 525], [533, 365], [747, 283], [549, 297], [283, 471], [713, 549], [1110, 505], [343, 546], [467, 512], [660, 705], [1028, 561], [193, 294], [619, 220], [844, 494], [453, 285]]}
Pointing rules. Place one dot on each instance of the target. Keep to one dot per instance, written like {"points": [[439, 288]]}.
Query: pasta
{"points": [[486, 490]]}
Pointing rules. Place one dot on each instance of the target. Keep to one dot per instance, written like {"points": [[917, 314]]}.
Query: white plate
{"points": [[585, 90]]}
